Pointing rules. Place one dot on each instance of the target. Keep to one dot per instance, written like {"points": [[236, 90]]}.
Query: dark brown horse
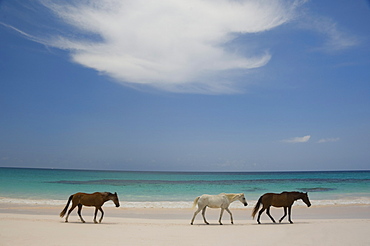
{"points": [[285, 200], [96, 199]]}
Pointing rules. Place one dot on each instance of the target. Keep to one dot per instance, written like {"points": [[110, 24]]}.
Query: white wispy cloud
{"points": [[172, 45], [303, 139], [30, 37], [325, 140], [335, 38]]}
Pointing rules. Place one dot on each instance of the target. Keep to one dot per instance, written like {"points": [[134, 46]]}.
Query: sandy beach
{"points": [[325, 225]]}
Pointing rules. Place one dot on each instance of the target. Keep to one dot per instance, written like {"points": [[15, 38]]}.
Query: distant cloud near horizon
{"points": [[297, 139]]}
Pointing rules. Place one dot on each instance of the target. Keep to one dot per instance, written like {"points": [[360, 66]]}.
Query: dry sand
{"points": [[336, 225]]}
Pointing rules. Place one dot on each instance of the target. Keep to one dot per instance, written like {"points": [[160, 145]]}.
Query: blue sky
{"points": [[185, 85]]}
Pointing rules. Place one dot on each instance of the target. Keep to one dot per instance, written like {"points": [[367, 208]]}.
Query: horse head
{"points": [[114, 198], [242, 199], [305, 199]]}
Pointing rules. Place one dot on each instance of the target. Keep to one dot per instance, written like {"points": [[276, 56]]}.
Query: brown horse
{"points": [[285, 200], [96, 199]]}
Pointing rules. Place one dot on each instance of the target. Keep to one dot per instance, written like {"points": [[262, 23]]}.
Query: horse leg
{"points": [[259, 214], [102, 214], [283, 215], [70, 210], [231, 215], [96, 212], [195, 214], [221, 213], [204, 215], [79, 212], [290, 214], [268, 213]]}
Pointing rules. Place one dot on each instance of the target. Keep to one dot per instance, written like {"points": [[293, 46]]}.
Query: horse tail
{"points": [[257, 207], [195, 201], [65, 209]]}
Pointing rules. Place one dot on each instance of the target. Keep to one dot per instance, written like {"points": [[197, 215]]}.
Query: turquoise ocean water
{"points": [[178, 189]]}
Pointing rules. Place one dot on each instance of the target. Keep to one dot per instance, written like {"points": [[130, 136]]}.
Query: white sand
{"points": [[339, 225]]}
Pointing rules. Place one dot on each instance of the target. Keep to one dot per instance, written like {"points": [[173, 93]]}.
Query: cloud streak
{"points": [[173, 45], [303, 139], [335, 39]]}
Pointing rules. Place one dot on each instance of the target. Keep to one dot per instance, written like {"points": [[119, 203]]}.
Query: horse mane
{"points": [[296, 194], [231, 196], [292, 192]]}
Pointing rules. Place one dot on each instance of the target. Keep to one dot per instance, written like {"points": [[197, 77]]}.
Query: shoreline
{"points": [[317, 225], [346, 201]]}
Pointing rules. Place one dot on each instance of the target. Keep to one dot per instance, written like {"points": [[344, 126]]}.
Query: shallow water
{"points": [[178, 189]]}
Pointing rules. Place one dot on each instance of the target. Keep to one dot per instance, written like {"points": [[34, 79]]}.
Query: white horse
{"points": [[217, 201]]}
